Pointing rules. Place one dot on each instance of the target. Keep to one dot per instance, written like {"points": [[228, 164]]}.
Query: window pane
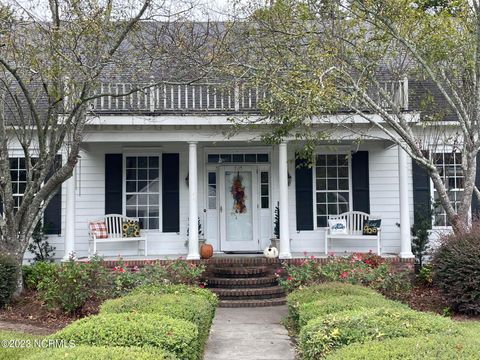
{"points": [[131, 186], [212, 178], [321, 197], [321, 172], [321, 209], [142, 174], [331, 160], [342, 160], [238, 158], [153, 223], [264, 177], [331, 172], [153, 174], [212, 190], [264, 189], [251, 158], [332, 184], [153, 162], [131, 174], [321, 160], [131, 162], [262, 158], [142, 162], [321, 221], [226, 158], [321, 184], [213, 158], [343, 184], [343, 171], [264, 202], [212, 203], [153, 199]]}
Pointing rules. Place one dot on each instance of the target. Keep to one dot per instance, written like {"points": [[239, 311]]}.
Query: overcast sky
{"points": [[207, 9]]}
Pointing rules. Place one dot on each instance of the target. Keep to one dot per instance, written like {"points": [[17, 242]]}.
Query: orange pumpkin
{"points": [[206, 251]]}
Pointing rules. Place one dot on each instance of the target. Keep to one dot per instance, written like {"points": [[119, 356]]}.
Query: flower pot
{"points": [[206, 251]]}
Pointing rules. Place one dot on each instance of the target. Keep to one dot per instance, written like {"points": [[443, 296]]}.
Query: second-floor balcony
{"points": [[206, 98]]}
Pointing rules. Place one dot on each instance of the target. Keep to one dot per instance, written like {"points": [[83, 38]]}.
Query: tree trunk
{"points": [[16, 249]]}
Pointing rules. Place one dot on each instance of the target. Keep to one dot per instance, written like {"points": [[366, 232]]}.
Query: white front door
{"points": [[238, 208]]}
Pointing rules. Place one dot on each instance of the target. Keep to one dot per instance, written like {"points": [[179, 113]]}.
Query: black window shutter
{"points": [[113, 183], [421, 192], [52, 216], [360, 182], [475, 203], [171, 192], [303, 195]]}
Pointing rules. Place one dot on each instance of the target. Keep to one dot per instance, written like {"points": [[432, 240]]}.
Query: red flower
{"points": [[201, 286], [304, 253], [289, 278], [122, 270], [312, 257], [343, 275], [126, 265], [115, 268]]}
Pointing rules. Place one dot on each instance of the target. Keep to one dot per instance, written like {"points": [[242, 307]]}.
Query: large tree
{"points": [[319, 58], [52, 62]]}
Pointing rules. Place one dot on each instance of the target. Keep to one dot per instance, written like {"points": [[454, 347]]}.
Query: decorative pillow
{"points": [[99, 229], [370, 227], [130, 229], [337, 226]]}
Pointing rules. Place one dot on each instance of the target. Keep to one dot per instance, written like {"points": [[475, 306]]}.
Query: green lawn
{"points": [[16, 345]]}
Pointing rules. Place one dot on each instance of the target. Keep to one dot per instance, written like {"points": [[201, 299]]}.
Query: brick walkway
{"points": [[249, 334]]}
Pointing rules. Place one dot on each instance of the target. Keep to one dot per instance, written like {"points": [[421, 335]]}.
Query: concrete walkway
{"points": [[249, 334]]}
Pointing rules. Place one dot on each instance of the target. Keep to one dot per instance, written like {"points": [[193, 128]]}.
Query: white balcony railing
{"points": [[192, 98]]}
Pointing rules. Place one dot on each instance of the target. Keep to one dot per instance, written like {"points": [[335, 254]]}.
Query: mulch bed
{"points": [[29, 310], [427, 298]]}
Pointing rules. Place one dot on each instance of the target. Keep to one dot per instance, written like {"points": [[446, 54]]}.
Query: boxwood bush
{"points": [[323, 291], [325, 307], [176, 289], [101, 353], [193, 308], [322, 335], [177, 336], [434, 347], [456, 270]]}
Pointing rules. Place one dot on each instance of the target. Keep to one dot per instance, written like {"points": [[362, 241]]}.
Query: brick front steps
{"points": [[245, 284]]}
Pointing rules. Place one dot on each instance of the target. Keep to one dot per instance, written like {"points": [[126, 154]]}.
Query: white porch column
{"points": [[283, 197], [405, 236], [69, 217], [193, 253]]}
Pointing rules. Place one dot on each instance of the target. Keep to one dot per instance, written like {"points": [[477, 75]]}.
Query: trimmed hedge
{"points": [[434, 347], [322, 335], [102, 353], [325, 307], [176, 289], [16, 353], [193, 308], [179, 337], [324, 291]]}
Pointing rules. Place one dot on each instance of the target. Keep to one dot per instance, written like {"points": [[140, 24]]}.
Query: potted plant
{"points": [[206, 250], [275, 241]]}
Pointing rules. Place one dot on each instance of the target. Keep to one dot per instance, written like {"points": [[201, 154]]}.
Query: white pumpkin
{"points": [[270, 252]]}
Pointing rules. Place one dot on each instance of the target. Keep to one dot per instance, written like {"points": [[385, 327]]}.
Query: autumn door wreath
{"points": [[238, 193]]}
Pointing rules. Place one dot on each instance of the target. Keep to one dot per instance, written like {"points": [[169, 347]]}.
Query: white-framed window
{"points": [[18, 174], [332, 188], [212, 190], [449, 165], [142, 197], [264, 189]]}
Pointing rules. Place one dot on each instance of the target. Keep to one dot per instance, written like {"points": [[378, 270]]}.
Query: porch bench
{"points": [[114, 223], [354, 224]]}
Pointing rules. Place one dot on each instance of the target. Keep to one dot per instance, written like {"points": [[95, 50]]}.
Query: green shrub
{"points": [[16, 352], [35, 273], [325, 307], [323, 291], [176, 336], [102, 353], [177, 289], [9, 270], [73, 284], [435, 347], [456, 269], [178, 271], [193, 308], [322, 335]]}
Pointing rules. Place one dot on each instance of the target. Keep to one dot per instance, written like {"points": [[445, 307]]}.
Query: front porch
{"points": [[174, 186]]}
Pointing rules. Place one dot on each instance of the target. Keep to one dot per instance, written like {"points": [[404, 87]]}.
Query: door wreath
{"points": [[238, 193]]}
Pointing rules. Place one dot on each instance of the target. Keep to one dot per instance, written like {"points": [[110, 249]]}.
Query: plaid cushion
{"points": [[99, 229]]}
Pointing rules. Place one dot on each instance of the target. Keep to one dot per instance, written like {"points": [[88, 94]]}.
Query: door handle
{"points": [[221, 209]]}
